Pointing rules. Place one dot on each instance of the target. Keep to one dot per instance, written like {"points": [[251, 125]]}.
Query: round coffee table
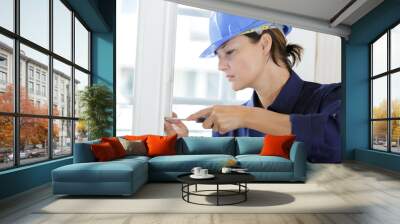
{"points": [[238, 179]]}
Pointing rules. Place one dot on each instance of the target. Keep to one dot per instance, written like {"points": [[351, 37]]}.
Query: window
{"points": [[62, 137], [3, 78], [37, 74], [30, 72], [38, 89], [62, 74], [81, 81], [6, 142], [33, 148], [385, 94], [30, 87], [7, 14], [6, 73], [34, 21], [3, 61], [44, 91], [62, 29], [81, 45], [54, 126]]}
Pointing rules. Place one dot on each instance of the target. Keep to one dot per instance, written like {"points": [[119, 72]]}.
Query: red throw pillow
{"points": [[161, 145], [103, 151], [277, 145], [116, 145]]}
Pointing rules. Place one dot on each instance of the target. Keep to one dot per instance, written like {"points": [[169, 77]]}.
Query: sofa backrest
{"points": [[190, 146], [206, 145], [249, 145], [83, 152]]}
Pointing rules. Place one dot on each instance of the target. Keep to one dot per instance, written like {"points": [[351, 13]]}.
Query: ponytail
{"points": [[289, 54]]}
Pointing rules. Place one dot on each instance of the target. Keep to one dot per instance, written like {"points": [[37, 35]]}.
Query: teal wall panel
{"points": [[356, 83], [377, 158], [24, 178], [103, 64]]}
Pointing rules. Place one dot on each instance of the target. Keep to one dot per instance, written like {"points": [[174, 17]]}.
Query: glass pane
{"points": [[34, 72], [81, 131], [379, 97], [379, 55], [62, 141], [35, 21], [395, 94], [6, 142], [7, 14], [124, 119], [6, 74], [184, 110], [33, 139], [81, 45], [195, 83], [395, 136], [379, 135], [62, 89], [194, 77], [62, 29], [395, 47], [81, 81]]}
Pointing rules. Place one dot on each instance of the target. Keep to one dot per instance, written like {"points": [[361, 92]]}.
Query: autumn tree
{"points": [[380, 127], [33, 130]]}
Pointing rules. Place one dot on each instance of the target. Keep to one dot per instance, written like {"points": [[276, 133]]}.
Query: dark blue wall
{"points": [[356, 84], [99, 16]]}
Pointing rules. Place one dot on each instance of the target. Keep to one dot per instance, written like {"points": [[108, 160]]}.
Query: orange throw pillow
{"points": [[116, 145], [161, 145], [103, 151], [277, 145], [136, 137]]}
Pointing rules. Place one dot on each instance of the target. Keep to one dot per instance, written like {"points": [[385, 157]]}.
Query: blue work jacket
{"points": [[314, 111]]}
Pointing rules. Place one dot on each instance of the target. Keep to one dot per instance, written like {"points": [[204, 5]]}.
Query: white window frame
{"points": [[154, 65]]}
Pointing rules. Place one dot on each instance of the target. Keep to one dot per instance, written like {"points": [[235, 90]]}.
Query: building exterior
{"points": [[34, 79]]}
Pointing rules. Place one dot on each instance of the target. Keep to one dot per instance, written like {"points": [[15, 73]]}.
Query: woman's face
{"points": [[242, 61]]}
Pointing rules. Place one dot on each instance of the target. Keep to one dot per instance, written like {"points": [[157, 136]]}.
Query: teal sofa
{"points": [[125, 176]]}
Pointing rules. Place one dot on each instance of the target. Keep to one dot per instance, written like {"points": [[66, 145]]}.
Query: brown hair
{"points": [[281, 51]]}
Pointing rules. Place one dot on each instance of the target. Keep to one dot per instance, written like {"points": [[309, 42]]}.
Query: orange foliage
{"points": [[33, 130]]}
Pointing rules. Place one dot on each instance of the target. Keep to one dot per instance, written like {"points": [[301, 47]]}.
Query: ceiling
{"points": [[326, 16]]}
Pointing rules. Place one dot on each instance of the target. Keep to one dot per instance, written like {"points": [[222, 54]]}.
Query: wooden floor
{"points": [[378, 188]]}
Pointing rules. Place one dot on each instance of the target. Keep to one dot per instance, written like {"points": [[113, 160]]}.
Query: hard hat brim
{"points": [[210, 51]]}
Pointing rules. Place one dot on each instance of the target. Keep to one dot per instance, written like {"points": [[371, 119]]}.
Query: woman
{"points": [[255, 54]]}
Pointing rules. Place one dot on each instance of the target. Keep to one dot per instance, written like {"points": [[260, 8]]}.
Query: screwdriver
{"points": [[198, 120]]}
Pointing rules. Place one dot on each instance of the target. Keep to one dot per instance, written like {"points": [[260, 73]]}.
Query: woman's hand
{"points": [[172, 127], [222, 118]]}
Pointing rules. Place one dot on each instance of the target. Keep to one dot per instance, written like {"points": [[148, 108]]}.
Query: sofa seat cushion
{"points": [[257, 163], [133, 158], [185, 163], [111, 171]]}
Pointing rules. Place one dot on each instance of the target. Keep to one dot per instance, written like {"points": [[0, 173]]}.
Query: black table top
{"points": [[220, 178]]}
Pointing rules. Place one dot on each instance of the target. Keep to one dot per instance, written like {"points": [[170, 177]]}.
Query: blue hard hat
{"points": [[224, 26]]}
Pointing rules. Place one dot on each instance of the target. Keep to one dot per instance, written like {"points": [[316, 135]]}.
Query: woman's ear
{"points": [[266, 43]]}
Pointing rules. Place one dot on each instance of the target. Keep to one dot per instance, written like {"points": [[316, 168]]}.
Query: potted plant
{"points": [[96, 103]]}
